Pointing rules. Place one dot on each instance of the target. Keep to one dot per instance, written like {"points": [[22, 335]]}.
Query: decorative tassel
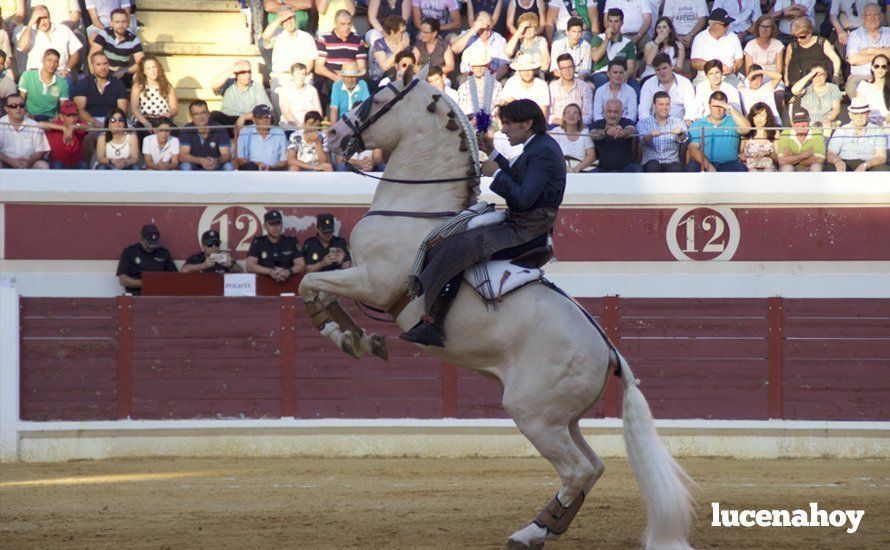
{"points": [[452, 125], [431, 107], [463, 146]]}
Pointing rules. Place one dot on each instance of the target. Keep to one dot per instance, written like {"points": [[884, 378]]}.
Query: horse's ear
{"points": [[423, 72], [408, 76]]}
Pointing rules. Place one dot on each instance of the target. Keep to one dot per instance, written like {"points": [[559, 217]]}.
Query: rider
{"points": [[533, 186]]}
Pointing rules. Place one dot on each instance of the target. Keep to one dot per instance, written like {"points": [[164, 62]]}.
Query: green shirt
{"points": [[42, 99], [236, 103], [813, 142], [623, 48]]}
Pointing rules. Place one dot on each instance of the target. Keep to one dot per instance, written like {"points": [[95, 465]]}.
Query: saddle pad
{"points": [[489, 218], [497, 278]]}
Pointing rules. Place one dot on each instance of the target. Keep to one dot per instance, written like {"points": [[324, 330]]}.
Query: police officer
{"points": [[209, 259], [324, 251], [274, 254], [146, 255]]}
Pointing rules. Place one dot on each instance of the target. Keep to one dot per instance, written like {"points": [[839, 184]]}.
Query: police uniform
{"points": [[314, 252], [200, 258], [135, 261], [278, 254]]}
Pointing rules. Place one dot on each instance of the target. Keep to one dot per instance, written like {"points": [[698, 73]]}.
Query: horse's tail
{"points": [[669, 506]]}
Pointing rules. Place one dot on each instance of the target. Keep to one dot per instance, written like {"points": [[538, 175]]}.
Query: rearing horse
{"points": [[552, 361]]}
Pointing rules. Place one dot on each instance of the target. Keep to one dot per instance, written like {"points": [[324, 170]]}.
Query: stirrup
{"points": [[424, 333]]}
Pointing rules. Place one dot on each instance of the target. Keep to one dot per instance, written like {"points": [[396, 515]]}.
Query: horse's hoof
{"points": [[378, 346], [516, 545], [351, 343]]}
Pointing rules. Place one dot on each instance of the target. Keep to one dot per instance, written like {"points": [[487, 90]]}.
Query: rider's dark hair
{"points": [[522, 110]]}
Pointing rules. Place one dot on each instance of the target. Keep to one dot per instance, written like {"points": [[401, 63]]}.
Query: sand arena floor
{"points": [[406, 503]]}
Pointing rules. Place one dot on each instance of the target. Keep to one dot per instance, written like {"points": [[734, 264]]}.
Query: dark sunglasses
{"points": [[116, 119], [15, 105], [879, 66], [212, 243], [241, 72]]}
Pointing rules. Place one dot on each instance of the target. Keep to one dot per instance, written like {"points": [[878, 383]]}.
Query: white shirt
{"points": [[59, 10], [288, 49], [683, 105], [744, 15], [763, 94], [538, 92], [165, 154], [875, 97], [626, 95], [785, 24], [859, 40], [575, 149], [703, 97], [685, 13], [633, 13], [727, 49], [562, 15], [580, 55], [103, 9], [495, 48], [59, 37], [23, 141], [299, 101]]}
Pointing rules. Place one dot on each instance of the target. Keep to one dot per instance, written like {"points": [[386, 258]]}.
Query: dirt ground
{"points": [[406, 503]]}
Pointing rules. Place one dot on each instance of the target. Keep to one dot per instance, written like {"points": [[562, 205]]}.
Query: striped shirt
{"points": [[119, 52], [337, 51], [664, 148], [580, 94], [846, 144], [860, 40]]}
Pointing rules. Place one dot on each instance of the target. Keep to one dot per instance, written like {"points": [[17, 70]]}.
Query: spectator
{"points": [[678, 88], [714, 139], [43, 89], [23, 144], [661, 135], [261, 147], [845, 18], [5, 42], [481, 91], [306, 150], [101, 14], [822, 99], [785, 12], [524, 85], [864, 44], [688, 18], [714, 71], [758, 151], [41, 34], [765, 50], [495, 8], [717, 43], [211, 259], [436, 79], [297, 98], [559, 13], [808, 50], [431, 49], [614, 142], [515, 9], [666, 42], [394, 41], [618, 89], [65, 135], [857, 146], [347, 91], [572, 44], [480, 36], [526, 42], [877, 91], [239, 94], [760, 87], [160, 150], [327, 11], [117, 148], [404, 60], [289, 45], [369, 160], [7, 82], [152, 98], [447, 12], [576, 145], [569, 91], [801, 149], [62, 12], [275, 254], [636, 21], [745, 13], [324, 251], [146, 256], [301, 9], [202, 148], [611, 45], [100, 92], [123, 47], [335, 50], [379, 10]]}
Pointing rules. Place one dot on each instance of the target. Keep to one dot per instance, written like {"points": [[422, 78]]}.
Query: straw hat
{"points": [[478, 57], [351, 69], [858, 105], [525, 62]]}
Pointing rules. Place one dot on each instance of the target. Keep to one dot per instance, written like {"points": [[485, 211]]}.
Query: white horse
{"points": [[552, 362]]}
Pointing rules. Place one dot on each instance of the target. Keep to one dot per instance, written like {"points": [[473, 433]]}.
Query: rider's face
{"points": [[517, 132]]}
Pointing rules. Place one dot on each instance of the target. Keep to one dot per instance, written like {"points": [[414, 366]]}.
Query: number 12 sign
{"points": [[703, 233]]}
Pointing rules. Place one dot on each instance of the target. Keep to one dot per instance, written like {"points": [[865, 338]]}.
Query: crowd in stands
{"points": [[627, 85]]}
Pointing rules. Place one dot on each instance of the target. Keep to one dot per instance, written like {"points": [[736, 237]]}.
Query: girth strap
{"points": [[404, 214], [556, 517]]}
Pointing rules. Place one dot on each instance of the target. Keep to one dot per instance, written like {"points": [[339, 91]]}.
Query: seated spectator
{"points": [[678, 88], [348, 90], [146, 256], [122, 47], [714, 139], [289, 45], [572, 44], [864, 44], [63, 12], [327, 11], [369, 160], [785, 12], [447, 12], [714, 82], [152, 97], [877, 91], [556, 21], [101, 12], [616, 88], [324, 251], [297, 97], [117, 148], [23, 144], [335, 50], [801, 149], [845, 16], [41, 34], [481, 36], [665, 41], [717, 43], [160, 150], [275, 254], [404, 60], [637, 19], [527, 42], [261, 146], [760, 87], [240, 94], [201, 148], [480, 84], [306, 150], [43, 89], [66, 134], [745, 14], [808, 50], [609, 46], [495, 8], [576, 145], [5, 44], [822, 99], [661, 135], [687, 17], [614, 142], [765, 50], [301, 9], [569, 90], [758, 151], [857, 146], [515, 9], [524, 85], [394, 41], [379, 10], [436, 78], [431, 49], [7, 82], [211, 259], [99, 92]]}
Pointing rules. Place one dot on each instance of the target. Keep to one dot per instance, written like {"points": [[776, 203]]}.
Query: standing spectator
{"points": [[760, 87], [447, 12], [666, 42], [289, 45], [43, 89], [65, 135], [559, 12], [297, 98], [714, 139], [714, 71], [569, 91], [678, 88], [348, 90], [335, 50], [857, 146], [301, 9], [100, 13], [327, 11], [801, 149], [7, 82], [41, 34], [275, 254], [515, 9], [576, 145], [846, 16], [618, 89], [609, 46], [877, 91], [758, 151], [239, 94], [661, 135], [99, 92], [211, 259], [689, 17], [324, 251], [306, 149], [745, 13], [152, 98], [572, 44], [431, 49], [785, 12], [160, 151], [23, 144], [614, 142], [117, 148], [526, 42], [379, 10], [201, 148], [864, 44], [808, 50], [765, 50], [524, 84], [481, 36], [261, 147], [122, 47], [717, 43], [637, 19], [481, 91], [495, 8], [146, 256], [822, 99], [393, 42], [436, 79]]}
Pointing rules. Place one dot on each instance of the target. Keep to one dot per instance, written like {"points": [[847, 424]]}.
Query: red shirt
{"points": [[68, 154]]}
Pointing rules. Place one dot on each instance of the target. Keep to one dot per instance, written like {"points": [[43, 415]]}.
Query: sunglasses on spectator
{"points": [[879, 66], [116, 119], [212, 243], [15, 105], [241, 72], [802, 36]]}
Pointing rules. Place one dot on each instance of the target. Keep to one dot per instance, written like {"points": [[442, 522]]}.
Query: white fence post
{"points": [[9, 371]]}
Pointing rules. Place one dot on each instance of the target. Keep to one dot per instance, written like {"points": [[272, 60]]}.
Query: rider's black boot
{"points": [[430, 330]]}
